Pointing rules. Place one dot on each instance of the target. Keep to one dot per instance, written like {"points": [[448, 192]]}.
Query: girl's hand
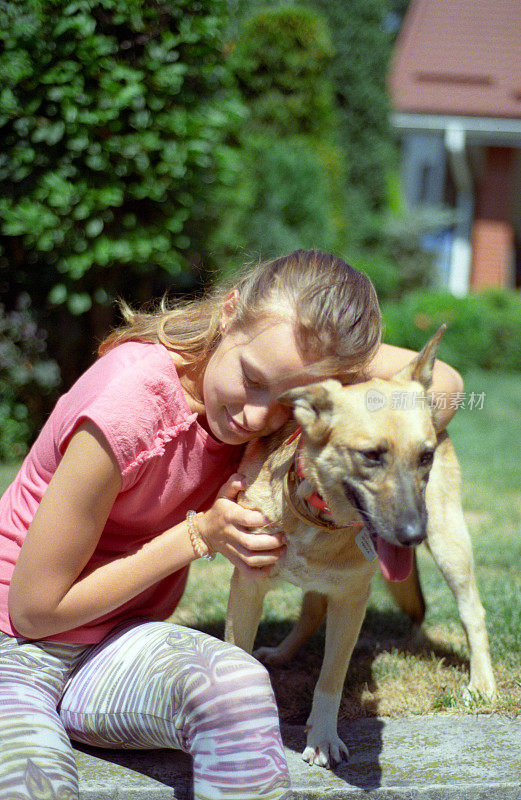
{"points": [[245, 537]]}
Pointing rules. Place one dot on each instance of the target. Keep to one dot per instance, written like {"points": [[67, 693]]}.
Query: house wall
{"points": [[516, 220], [493, 233], [492, 237]]}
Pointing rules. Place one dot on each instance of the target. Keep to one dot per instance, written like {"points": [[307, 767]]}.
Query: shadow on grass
{"points": [[382, 631]]}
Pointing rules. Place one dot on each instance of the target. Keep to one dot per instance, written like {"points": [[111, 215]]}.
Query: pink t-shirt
{"points": [[169, 464]]}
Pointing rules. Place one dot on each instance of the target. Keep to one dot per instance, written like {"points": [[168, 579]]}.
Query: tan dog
{"points": [[390, 481]]}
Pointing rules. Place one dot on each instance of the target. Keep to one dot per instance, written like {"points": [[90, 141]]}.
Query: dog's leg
{"points": [[344, 620], [453, 556], [244, 609], [314, 606]]}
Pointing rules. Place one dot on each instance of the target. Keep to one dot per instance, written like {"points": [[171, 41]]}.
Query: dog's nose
{"points": [[412, 533]]}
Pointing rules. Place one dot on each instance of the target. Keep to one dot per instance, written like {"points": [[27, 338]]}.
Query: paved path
{"points": [[438, 757]]}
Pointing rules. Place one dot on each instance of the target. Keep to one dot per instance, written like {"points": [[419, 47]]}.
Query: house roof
{"points": [[460, 57]]}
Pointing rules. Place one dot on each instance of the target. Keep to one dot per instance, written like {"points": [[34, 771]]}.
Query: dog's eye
{"points": [[373, 458], [426, 458]]}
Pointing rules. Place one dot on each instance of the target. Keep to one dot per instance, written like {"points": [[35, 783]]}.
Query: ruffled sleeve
{"points": [[134, 396], [158, 446]]}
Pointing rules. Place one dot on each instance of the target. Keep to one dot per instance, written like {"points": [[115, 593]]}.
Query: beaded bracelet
{"points": [[200, 549]]}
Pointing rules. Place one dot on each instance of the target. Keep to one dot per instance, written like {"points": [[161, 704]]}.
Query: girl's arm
{"points": [[447, 384], [52, 592]]}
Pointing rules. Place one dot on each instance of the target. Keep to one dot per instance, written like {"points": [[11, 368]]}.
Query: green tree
{"points": [[110, 114], [362, 37], [283, 185], [362, 34]]}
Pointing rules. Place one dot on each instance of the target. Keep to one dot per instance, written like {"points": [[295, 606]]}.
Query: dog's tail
{"points": [[408, 594]]}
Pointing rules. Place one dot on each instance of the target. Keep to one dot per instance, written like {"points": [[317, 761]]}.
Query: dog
{"points": [[360, 483]]}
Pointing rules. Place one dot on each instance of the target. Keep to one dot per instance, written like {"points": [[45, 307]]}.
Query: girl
{"points": [[131, 479]]}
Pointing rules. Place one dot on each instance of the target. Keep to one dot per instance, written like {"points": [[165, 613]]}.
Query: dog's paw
{"points": [[324, 747], [273, 656], [325, 753], [486, 693]]}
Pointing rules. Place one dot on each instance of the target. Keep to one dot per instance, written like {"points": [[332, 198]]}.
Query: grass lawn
{"points": [[390, 673]]}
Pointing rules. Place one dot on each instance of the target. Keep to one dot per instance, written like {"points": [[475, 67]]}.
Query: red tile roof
{"points": [[459, 57]]}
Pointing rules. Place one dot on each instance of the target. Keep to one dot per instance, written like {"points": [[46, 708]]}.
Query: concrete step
{"points": [[438, 757]]}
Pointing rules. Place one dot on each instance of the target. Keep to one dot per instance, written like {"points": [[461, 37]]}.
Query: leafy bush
{"points": [[110, 112], [26, 380], [484, 329], [283, 172], [281, 199], [319, 72], [396, 264], [363, 41], [280, 61]]}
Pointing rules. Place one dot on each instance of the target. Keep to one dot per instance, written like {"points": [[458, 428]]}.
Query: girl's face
{"points": [[245, 375]]}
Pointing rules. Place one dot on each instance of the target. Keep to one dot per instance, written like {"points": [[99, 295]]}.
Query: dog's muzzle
{"points": [[411, 533]]}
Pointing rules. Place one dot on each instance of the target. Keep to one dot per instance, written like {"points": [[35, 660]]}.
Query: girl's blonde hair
{"points": [[334, 309]]}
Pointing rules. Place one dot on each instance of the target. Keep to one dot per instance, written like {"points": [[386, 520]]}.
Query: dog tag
{"points": [[365, 544]]}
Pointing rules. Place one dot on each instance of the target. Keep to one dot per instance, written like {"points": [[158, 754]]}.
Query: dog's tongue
{"points": [[395, 562]]}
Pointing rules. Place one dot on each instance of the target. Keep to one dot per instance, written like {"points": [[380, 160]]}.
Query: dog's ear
{"points": [[421, 367], [313, 407]]}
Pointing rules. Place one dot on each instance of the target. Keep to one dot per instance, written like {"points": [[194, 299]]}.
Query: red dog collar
{"points": [[315, 499], [296, 473]]}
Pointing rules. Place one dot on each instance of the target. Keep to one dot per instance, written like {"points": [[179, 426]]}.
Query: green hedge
{"points": [[484, 329], [110, 113]]}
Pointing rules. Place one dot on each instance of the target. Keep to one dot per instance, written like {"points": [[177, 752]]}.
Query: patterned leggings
{"points": [[147, 685]]}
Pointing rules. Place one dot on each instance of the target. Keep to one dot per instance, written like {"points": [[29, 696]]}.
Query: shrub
{"points": [[280, 61], [110, 112], [285, 201], [284, 171], [396, 265], [362, 41], [27, 378], [484, 329]]}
